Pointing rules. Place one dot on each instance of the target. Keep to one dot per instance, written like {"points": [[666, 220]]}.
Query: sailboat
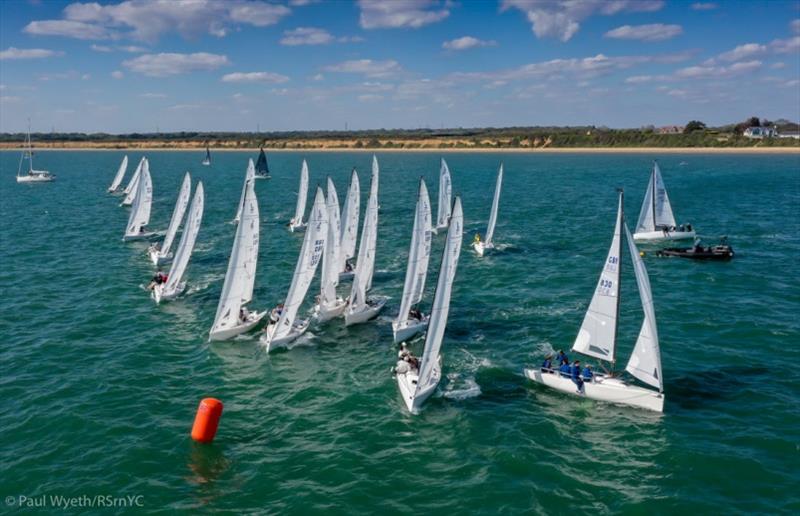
{"points": [[417, 384], [286, 329], [329, 304], [162, 253], [32, 175], [140, 211], [207, 160], [407, 325], [445, 192], [232, 317], [123, 167], [130, 190], [597, 337], [350, 216], [297, 224], [249, 176], [262, 169], [656, 221], [174, 286], [360, 307], [481, 246], [373, 192]]}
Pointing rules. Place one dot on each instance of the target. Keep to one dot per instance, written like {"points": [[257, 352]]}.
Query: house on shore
{"points": [[759, 133]]}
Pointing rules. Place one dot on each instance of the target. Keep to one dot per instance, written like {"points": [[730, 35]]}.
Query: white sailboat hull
{"points": [[224, 334], [611, 390], [36, 178], [158, 293], [156, 258], [408, 329], [369, 311], [407, 383], [481, 248], [325, 313], [344, 276], [298, 328], [138, 236], [297, 228], [661, 236]]}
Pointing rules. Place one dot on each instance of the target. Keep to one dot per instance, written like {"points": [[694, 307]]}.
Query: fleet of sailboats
{"points": [[481, 246], [161, 253], [656, 221], [297, 224], [123, 167], [31, 175]]}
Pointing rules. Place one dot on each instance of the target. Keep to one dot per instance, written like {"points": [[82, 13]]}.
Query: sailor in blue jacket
{"points": [[587, 373], [565, 369], [547, 365], [561, 356], [576, 375]]}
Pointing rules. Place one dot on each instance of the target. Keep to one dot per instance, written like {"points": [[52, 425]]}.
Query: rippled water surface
{"points": [[100, 386]]}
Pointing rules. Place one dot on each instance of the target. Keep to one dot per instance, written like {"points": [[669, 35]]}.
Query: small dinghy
{"points": [[362, 308], [410, 320], [329, 304], [287, 328], [350, 217], [249, 176], [297, 224], [207, 160], [174, 286], [232, 317], [656, 221], [161, 253], [262, 168], [417, 381], [720, 252], [445, 192], [140, 211], [481, 246], [32, 175], [131, 189], [123, 167], [598, 335]]}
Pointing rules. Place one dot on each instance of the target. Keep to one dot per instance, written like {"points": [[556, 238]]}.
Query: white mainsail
{"points": [[140, 211], [445, 192], [495, 204], [177, 215], [186, 245], [237, 290], [645, 361], [598, 334], [130, 190], [350, 216], [248, 177], [310, 254], [441, 300], [418, 255], [120, 174], [365, 266], [302, 194], [373, 192], [656, 209], [330, 258]]}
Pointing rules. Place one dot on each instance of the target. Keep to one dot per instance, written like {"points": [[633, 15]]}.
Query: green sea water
{"points": [[99, 385]]}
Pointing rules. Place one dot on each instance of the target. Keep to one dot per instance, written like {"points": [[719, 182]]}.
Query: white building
{"points": [[760, 132]]}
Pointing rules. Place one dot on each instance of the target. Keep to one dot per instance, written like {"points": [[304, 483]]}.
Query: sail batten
{"points": [[495, 206], [418, 255]]}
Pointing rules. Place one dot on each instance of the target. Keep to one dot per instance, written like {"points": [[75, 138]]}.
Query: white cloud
{"points": [[561, 18], [795, 26], [117, 74], [792, 83], [301, 3], [743, 52], [367, 67], [164, 64], [262, 77], [698, 72], [777, 66], [306, 36], [650, 32], [638, 79], [68, 29], [152, 95], [10, 99], [318, 77], [181, 107], [86, 77], [101, 48], [27, 53], [466, 42], [786, 46], [378, 14], [704, 6], [133, 49], [370, 97]]}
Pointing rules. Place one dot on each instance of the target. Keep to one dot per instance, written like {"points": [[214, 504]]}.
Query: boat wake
{"points": [[468, 387]]}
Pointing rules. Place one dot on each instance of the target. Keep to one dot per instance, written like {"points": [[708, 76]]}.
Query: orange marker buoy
{"points": [[207, 420]]}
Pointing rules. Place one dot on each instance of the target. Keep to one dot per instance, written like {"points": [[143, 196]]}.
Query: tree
{"points": [[694, 125], [753, 121]]}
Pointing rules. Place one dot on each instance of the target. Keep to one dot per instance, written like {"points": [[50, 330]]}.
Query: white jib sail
{"points": [[419, 254], [373, 185], [330, 258], [302, 193], [120, 174], [350, 216], [441, 299], [186, 245], [140, 211], [598, 334], [177, 215], [241, 275], [373, 192], [645, 361], [495, 204], [365, 266], [445, 191], [130, 190], [248, 177], [310, 254]]}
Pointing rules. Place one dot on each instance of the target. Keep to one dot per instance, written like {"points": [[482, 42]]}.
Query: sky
{"points": [[247, 65]]}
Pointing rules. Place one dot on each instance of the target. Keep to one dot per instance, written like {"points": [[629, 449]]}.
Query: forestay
{"points": [[495, 204], [445, 191], [645, 361], [441, 300], [140, 211], [365, 266], [130, 190], [418, 255], [310, 254], [598, 334], [302, 193], [330, 257], [186, 244], [177, 215], [350, 216], [248, 176], [656, 209], [120, 174]]}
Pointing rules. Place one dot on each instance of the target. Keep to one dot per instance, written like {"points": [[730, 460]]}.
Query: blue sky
{"points": [[139, 65]]}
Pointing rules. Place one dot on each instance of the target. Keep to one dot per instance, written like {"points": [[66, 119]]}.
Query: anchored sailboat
{"points": [[262, 169], [32, 175], [162, 253], [249, 175], [118, 177], [297, 224], [131, 189], [287, 329], [350, 216], [140, 211], [656, 221], [174, 286], [445, 191], [597, 336], [411, 321], [329, 304], [232, 317], [207, 160], [481, 246], [417, 384]]}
